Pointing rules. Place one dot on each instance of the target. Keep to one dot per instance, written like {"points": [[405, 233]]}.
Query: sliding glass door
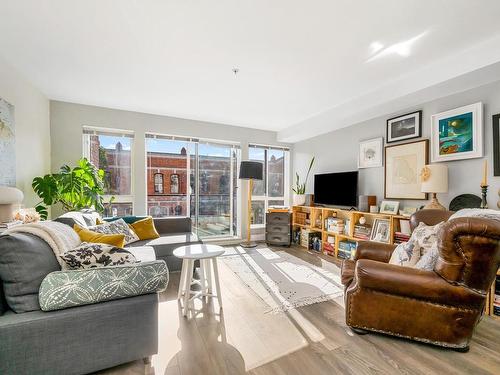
{"points": [[195, 178]]}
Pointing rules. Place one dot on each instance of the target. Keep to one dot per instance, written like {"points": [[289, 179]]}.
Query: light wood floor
{"points": [[310, 340]]}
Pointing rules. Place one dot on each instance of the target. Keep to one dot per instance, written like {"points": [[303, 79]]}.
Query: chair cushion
{"points": [[165, 245], [87, 235], [24, 262]]}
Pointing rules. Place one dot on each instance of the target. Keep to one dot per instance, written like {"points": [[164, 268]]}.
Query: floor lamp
{"points": [[250, 170]]}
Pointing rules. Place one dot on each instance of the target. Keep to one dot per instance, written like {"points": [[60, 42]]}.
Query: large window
{"points": [[111, 151], [273, 190], [199, 180]]}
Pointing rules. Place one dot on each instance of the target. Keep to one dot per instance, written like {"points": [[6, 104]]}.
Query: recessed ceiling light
{"points": [[236, 71]]}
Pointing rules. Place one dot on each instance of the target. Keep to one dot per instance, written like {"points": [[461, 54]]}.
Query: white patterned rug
{"points": [[282, 281]]}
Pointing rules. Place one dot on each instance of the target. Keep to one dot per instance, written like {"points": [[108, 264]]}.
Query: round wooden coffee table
{"points": [[207, 255]]}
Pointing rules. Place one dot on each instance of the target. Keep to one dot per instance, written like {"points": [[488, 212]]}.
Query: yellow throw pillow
{"points": [[145, 229], [86, 235]]}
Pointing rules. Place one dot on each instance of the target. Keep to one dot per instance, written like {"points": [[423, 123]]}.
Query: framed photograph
{"points": [[403, 164], [496, 145], [381, 231], [389, 207], [457, 134], [404, 127], [370, 153], [408, 211]]}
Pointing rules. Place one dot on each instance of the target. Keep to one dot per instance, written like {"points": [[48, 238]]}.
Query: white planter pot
{"points": [[299, 199]]}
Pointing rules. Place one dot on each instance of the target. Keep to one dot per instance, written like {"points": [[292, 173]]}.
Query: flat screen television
{"points": [[336, 189]]}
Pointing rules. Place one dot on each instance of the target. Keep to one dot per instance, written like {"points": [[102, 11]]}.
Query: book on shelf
{"points": [[362, 231], [347, 249], [328, 248]]}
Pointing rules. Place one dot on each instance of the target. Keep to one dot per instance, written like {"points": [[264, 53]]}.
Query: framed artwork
{"points": [[174, 183], [496, 145], [403, 164], [457, 134], [7, 144], [389, 207], [370, 153], [404, 127], [381, 231]]}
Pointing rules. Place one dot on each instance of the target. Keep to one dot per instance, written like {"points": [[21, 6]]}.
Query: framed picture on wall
{"points": [[370, 153], [403, 164], [457, 134], [496, 145], [404, 127]]}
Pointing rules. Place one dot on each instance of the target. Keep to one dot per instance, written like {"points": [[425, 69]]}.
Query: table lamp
{"points": [[250, 170], [434, 180], [9, 197]]}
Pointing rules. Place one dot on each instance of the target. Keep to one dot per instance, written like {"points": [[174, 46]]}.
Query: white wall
{"points": [[337, 151], [32, 128], [67, 119]]}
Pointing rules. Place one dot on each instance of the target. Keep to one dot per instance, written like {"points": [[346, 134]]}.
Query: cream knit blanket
{"points": [[60, 237]]}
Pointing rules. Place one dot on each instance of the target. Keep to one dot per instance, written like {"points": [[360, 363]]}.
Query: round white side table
{"points": [[207, 255]]}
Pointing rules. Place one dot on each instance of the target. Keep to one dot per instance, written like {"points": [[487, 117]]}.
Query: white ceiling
{"points": [[299, 61]]}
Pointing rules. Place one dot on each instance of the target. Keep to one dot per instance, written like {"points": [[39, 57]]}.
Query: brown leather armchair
{"points": [[439, 307]]}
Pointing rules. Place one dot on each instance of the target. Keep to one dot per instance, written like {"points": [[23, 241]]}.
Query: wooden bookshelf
{"points": [[316, 223]]}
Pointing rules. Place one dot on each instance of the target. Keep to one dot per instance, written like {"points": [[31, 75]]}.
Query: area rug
{"points": [[283, 281]]}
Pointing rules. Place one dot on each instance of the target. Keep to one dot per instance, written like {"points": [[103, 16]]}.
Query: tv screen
{"points": [[336, 189]]}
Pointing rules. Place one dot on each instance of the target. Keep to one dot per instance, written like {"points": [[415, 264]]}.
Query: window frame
{"points": [[286, 179], [112, 132]]}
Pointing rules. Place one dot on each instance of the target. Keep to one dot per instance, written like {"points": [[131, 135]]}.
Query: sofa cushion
{"points": [[84, 218], [116, 227], [24, 262], [127, 219], [95, 255], [145, 229], [60, 290], [87, 235], [165, 245]]}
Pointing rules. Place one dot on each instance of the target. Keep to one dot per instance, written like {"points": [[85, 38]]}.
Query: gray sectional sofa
{"points": [[76, 340]]}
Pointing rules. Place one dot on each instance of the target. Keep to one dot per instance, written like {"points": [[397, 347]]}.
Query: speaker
{"points": [[365, 201], [309, 200]]}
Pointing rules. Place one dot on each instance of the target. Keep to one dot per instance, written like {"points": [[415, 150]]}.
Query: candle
{"points": [[485, 174]]}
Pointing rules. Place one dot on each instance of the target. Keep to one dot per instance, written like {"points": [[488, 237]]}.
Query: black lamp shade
{"points": [[251, 169]]}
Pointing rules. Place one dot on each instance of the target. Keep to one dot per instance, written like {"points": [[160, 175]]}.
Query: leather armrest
{"points": [[380, 252], [413, 283]]}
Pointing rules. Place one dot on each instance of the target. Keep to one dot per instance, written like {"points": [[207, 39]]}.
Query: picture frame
{"points": [[389, 207], [381, 231], [370, 153], [403, 164], [408, 211], [457, 134], [496, 144], [404, 127]]}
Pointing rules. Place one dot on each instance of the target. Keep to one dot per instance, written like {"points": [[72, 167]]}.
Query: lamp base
{"points": [[434, 204], [248, 244]]}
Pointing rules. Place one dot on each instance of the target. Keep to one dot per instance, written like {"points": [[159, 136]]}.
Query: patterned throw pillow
{"points": [[405, 255], [94, 255], [476, 212], [423, 240], [116, 227]]}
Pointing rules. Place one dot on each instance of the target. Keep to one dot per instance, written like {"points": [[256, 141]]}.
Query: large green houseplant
{"points": [[74, 188], [299, 190]]}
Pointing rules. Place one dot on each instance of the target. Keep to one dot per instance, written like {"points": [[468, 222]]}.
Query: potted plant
{"points": [[299, 190], [74, 188]]}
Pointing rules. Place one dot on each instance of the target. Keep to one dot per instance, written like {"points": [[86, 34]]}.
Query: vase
{"points": [[299, 199]]}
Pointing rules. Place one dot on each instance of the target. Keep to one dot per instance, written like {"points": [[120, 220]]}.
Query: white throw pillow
{"points": [[476, 212], [116, 227], [404, 254]]}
